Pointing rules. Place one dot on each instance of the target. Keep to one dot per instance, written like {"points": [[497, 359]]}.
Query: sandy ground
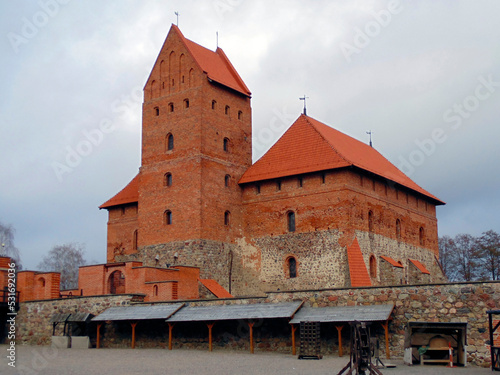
{"points": [[46, 361]]}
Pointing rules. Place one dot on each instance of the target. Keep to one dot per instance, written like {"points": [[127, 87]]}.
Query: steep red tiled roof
{"points": [[392, 261], [215, 64], [311, 146], [217, 289], [129, 194], [357, 266], [420, 266]]}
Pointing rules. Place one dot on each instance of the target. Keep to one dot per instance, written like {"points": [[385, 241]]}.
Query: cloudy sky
{"points": [[423, 76]]}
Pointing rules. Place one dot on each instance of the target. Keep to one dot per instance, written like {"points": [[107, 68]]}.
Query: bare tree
{"points": [[65, 259], [489, 244], [467, 257], [447, 250], [7, 244]]}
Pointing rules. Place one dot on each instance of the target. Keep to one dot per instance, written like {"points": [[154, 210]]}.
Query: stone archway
{"points": [[116, 283]]}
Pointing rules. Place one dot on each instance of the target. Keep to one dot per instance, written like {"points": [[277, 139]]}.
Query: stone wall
{"points": [[33, 319]]}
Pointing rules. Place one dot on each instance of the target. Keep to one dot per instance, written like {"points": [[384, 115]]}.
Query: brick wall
{"points": [[38, 285], [122, 224]]}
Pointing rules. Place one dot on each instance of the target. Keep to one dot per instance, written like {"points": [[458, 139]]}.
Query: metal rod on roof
{"points": [[177, 14], [370, 133], [304, 99]]}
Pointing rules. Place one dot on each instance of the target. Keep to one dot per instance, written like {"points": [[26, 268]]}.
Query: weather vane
{"points": [[304, 99], [370, 133], [177, 14]]}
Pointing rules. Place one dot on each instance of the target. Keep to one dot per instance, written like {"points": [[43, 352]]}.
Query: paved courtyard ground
{"points": [[42, 360]]}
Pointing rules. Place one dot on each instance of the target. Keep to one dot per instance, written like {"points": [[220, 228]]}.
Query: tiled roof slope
{"points": [[217, 289], [357, 267], [420, 266], [129, 194], [311, 146], [215, 64], [392, 261]]}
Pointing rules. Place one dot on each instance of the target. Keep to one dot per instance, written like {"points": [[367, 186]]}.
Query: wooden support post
{"points": [[294, 349], [133, 324], [210, 326], [170, 327], [250, 325], [98, 343], [339, 330], [386, 329]]}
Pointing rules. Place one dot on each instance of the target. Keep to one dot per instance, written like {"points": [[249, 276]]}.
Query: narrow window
{"points": [[170, 142], [227, 180], [134, 243], [226, 110], [300, 181], [123, 210], [226, 145], [186, 103], [227, 218], [291, 221], [278, 185], [373, 266], [398, 229], [214, 104], [292, 267], [370, 221], [168, 217], [323, 178], [157, 111], [373, 185], [257, 189], [167, 179], [240, 115], [170, 107], [155, 290], [173, 82], [182, 79], [421, 236]]}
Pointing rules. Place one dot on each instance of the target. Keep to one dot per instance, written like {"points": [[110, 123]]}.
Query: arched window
{"points": [[157, 111], [373, 266], [116, 283], [421, 235], [134, 241], [292, 267], [170, 142], [226, 144], [186, 103], [291, 221], [170, 107], [226, 110], [168, 217], [227, 180], [155, 290], [398, 229], [227, 218], [240, 115], [214, 104], [370, 221], [167, 180], [41, 282]]}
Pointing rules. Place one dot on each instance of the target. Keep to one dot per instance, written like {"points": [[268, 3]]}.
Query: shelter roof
{"points": [[420, 266], [391, 261], [357, 268], [58, 318], [138, 312], [234, 312], [80, 317], [371, 313], [217, 289], [311, 146], [129, 194]]}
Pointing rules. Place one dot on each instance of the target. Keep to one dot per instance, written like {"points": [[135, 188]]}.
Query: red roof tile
{"points": [[311, 146], [215, 64], [129, 194], [420, 266], [392, 261], [357, 266], [216, 288]]}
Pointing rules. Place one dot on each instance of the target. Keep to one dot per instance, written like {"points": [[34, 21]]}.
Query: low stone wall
{"points": [[457, 302], [33, 319]]}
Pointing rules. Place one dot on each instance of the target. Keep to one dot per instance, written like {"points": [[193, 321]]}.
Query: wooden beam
{"points": [[170, 327], [133, 324], [210, 326], [294, 349], [386, 329], [98, 344], [250, 326], [339, 330]]}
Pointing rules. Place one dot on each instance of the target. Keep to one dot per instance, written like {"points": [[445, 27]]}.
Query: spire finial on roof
{"points": [[370, 133], [304, 99], [177, 14], [217, 38]]}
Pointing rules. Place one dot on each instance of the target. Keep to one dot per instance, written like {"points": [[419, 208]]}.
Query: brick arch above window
{"points": [[291, 266]]}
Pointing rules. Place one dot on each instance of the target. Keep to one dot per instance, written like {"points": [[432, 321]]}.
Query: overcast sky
{"points": [[423, 76]]}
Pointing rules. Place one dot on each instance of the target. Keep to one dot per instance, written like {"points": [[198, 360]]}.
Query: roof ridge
{"points": [[231, 68]]}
